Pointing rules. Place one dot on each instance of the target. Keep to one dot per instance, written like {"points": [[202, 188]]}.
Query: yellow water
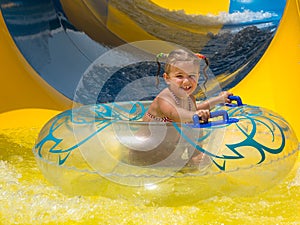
{"points": [[27, 198]]}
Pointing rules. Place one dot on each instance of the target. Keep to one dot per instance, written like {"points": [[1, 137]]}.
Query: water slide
{"points": [[28, 97]]}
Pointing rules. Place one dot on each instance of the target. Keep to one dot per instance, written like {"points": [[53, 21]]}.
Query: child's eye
{"points": [[192, 76]]}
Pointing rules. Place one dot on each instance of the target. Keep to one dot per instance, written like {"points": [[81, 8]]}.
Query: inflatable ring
{"points": [[107, 150]]}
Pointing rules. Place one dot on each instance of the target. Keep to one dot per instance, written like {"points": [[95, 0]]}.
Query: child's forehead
{"points": [[185, 66]]}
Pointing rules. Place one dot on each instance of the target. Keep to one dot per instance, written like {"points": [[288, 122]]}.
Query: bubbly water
{"points": [[27, 198]]}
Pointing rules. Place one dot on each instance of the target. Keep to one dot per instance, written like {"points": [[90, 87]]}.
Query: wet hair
{"points": [[180, 55]]}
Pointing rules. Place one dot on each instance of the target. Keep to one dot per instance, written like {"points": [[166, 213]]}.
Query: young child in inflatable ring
{"points": [[176, 103]]}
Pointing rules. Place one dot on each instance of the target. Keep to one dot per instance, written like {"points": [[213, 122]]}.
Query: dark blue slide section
{"points": [[49, 42]]}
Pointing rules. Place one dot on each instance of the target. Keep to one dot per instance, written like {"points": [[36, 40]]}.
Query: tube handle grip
{"points": [[235, 98], [218, 113]]}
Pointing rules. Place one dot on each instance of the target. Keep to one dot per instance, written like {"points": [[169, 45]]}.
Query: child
{"points": [[176, 103]]}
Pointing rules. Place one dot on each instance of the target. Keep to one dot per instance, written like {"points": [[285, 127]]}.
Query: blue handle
{"points": [[237, 99], [223, 113]]}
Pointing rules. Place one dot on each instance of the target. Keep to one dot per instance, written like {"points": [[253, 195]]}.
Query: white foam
{"points": [[245, 16]]}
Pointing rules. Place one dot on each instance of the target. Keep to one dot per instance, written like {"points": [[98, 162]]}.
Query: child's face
{"points": [[183, 78]]}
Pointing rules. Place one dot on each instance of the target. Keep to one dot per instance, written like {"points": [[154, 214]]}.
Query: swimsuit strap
{"points": [[160, 119]]}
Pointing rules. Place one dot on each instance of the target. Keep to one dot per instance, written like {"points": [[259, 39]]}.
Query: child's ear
{"points": [[166, 77]]}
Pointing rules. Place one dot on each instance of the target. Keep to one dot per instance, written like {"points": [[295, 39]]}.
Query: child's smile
{"points": [[183, 77]]}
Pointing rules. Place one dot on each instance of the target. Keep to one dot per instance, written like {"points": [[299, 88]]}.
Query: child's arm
{"points": [[212, 102]]}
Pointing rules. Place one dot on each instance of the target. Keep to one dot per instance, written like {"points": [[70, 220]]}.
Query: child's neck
{"points": [[179, 101]]}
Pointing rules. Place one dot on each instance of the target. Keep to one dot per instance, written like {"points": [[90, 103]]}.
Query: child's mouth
{"points": [[186, 88]]}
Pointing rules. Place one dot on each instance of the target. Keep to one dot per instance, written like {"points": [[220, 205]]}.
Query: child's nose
{"points": [[186, 80]]}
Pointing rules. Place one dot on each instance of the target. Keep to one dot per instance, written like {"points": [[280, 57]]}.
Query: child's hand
{"points": [[224, 97], [204, 115]]}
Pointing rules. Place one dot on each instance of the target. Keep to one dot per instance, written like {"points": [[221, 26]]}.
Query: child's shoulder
{"points": [[165, 93], [164, 96]]}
